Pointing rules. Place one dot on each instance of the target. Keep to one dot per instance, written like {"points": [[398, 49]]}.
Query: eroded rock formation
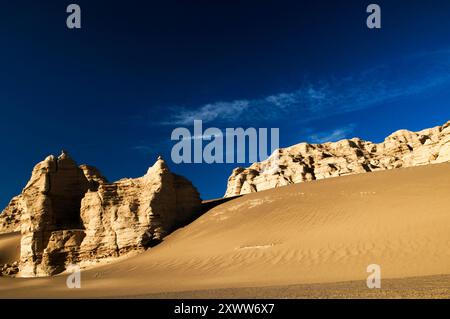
{"points": [[71, 214], [51, 205], [9, 270], [136, 213], [10, 217], [307, 162]]}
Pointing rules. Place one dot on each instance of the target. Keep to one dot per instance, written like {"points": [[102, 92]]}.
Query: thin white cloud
{"points": [[211, 112], [332, 136], [379, 85]]}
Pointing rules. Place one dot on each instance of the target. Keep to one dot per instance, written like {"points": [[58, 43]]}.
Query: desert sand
{"points": [[309, 240], [9, 248]]}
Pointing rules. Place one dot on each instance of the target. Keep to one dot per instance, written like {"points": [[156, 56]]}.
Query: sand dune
{"points": [[312, 234], [9, 248]]}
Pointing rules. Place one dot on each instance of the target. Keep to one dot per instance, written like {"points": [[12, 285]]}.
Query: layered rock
{"points": [[9, 270], [306, 162], [71, 214], [10, 217], [51, 204], [133, 214], [93, 176]]}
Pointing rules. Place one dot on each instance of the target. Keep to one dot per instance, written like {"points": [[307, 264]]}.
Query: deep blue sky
{"points": [[112, 92]]}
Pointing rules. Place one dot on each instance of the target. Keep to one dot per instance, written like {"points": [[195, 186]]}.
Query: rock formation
{"points": [[135, 213], [70, 214], [51, 202], [306, 162], [9, 270], [10, 217]]}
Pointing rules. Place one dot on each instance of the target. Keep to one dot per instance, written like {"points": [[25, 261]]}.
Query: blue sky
{"points": [[112, 92]]}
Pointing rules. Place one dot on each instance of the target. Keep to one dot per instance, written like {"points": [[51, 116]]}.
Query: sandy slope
{"points": [[9, 248], [314, 233]]}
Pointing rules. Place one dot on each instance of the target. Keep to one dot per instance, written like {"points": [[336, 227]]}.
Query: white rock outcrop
{"points": [[306, 162]]}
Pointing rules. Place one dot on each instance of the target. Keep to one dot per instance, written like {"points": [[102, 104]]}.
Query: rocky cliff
{"points": [[10, 217], [135, 213], [70, 214], [306, 162]]}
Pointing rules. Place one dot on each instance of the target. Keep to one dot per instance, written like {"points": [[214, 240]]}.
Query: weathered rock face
{"points": [[71, 214], [9, 270], [10, 217], [93, 176], [307, 162], [51, 203], [133, 214]]}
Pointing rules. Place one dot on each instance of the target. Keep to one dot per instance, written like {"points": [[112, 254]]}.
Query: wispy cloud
{"points": [[211, 112], [379, 85], [332, 136]]}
